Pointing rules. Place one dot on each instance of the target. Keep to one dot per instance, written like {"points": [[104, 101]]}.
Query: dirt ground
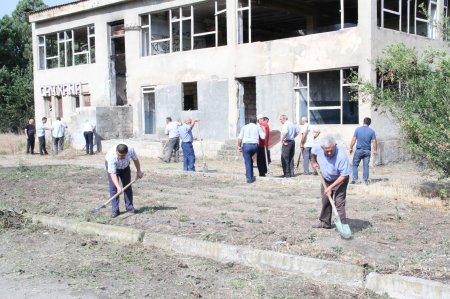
{"points": [[395, 228]]}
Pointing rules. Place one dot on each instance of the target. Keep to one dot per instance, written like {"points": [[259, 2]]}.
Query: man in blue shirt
{"points": [[334, 165], [186, 137], [365, 138], [288, 133], [248, 144]]}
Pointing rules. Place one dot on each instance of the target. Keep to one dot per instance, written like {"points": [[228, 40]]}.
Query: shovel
{"points": [[269, 172], [113, 197], [343, 229], [205, 167]]}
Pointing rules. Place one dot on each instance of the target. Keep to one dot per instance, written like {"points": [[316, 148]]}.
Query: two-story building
{"points": [[128, 64]]}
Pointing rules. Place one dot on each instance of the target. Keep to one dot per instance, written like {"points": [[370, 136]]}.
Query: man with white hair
{"points": [[334, 165]]}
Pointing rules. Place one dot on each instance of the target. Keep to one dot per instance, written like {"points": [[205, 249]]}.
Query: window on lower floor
{"points": [[190, 96], [325, 97]]}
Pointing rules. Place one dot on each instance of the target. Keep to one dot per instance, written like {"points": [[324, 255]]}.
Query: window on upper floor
{"points": [[67, 48], [264, 20], [202, 25], [411, 16], [325, 97]]}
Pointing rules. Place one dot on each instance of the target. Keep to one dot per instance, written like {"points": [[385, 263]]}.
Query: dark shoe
{"points": [[321, 225], [366, 183], [115, 214], [251, 180], [132, 211], [355, 182]]}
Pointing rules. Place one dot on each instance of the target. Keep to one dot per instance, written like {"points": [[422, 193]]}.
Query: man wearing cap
{"points": [[248, 144], [288, 133], [262, 145]]}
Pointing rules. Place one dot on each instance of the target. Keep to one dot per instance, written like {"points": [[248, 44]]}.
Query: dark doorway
{"points": [[118, 64], [246, 99]]}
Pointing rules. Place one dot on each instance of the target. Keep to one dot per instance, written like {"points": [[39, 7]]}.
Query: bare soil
{"points": [[396, 229]]}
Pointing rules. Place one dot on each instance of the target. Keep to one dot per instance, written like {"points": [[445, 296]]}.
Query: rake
{"points": [[113, 197]]}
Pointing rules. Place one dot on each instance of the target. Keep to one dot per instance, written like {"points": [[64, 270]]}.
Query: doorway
{"points": [[148, 97], [246, 100], [118, 64]]}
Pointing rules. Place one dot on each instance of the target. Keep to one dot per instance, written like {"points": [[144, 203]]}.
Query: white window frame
{"points": [[298, 88]]}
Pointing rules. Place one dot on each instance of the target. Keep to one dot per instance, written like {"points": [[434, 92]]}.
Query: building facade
{"points": [[128, 64]]}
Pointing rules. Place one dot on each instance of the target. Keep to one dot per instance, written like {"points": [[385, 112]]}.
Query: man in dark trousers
{"points": [[117, 162], [41, 136], [30, 132], [334, 165], [261, 160], [248, 144], [288, 133], [365, 140]]}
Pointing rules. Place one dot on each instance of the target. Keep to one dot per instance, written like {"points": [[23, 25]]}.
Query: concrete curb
{"points": [[109, 232], [396, 286], [403, 287], [320, 270]]}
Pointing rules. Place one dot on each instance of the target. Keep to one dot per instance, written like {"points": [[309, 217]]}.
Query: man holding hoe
{"points": [[117, 163]]}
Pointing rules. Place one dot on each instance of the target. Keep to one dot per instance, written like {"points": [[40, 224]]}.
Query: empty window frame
{"points": [[325, 97], [202, 25], [67, 48], [408, 16], [264, 20], [190, 96]]}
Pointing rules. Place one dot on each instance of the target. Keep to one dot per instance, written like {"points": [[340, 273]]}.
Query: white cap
{"points": [[260, 116]]}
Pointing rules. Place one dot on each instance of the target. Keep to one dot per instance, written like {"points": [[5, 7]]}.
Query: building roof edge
{"points": [[68, 9]]}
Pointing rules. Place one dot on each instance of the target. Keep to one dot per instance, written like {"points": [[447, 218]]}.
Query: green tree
{"points": [[16, 76], [415, 88]]}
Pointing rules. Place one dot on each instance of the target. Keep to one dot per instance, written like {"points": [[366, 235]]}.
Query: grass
{"points": [[184, 218], [12, 144]]}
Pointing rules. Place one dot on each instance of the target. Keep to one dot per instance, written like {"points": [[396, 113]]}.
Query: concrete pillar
{"points": [[367, 24], [439, 18], [232, 86]]}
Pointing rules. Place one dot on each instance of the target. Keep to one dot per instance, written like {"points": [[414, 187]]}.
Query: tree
{"points": [[16, 76], [415, 88]]}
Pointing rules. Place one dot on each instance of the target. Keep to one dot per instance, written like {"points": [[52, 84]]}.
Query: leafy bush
{"points": [[415, 88]]}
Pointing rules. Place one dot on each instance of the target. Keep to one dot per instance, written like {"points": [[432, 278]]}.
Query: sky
{"points": [[7, 6]]}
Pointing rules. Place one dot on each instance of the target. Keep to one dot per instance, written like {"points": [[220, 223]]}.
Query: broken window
{"points": [[264, 20], [190, 96], [326, 97], [198, 26], [410, 16], [67, 48]]}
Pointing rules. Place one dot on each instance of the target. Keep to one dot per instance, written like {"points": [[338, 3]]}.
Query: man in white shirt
{"points": [[288, 133], [117, 162], [40, 132], [248, 144], [88, 132], [174, 139], [309, 134], [58, 134]]}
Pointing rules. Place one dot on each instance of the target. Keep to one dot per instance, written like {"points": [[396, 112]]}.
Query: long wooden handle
{"points": [[123, 189], [328, 195]]}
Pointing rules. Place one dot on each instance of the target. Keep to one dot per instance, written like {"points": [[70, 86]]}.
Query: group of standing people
{"points": [[31, 131], [326, 157], [58, 129], [178, 131]]}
